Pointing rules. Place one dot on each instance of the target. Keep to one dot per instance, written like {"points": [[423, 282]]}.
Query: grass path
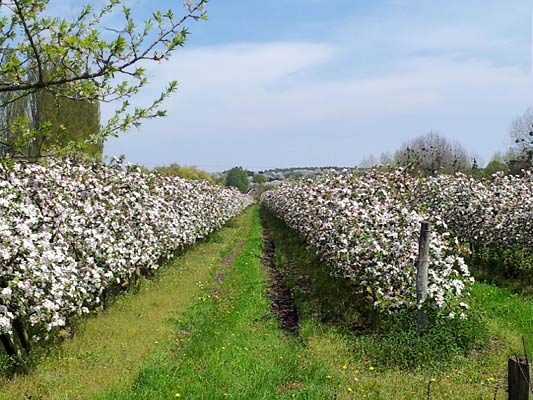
{"points": [[110, 348], [228, 345]]}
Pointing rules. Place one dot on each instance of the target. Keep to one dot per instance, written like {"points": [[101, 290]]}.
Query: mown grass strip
{"points": [[110, 348], [230, 346]]}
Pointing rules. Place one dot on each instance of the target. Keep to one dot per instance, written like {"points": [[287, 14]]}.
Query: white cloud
{"points": [[259, 86]]}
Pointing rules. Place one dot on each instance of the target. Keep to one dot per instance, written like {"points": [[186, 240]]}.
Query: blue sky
{"points": [[279, 83]]}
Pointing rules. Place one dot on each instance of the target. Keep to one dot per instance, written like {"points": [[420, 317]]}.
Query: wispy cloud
{"points": [[271, 85]]}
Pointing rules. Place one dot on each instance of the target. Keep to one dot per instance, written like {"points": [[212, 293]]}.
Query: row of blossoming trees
{"points": [[366, 227], [70, 231]]}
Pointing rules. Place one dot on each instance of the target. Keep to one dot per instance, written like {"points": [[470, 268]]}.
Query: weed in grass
{"points": [[214, 237], [7, 364]]}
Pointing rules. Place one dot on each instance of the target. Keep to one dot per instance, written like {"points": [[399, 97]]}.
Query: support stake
{"points": [[422, 273], [519, 378]]}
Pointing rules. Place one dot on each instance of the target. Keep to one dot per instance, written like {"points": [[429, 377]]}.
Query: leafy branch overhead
{"points": [[86, 59]]}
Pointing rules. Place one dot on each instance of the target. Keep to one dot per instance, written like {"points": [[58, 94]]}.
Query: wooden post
{"points": [[422, 273], [519, 378]]}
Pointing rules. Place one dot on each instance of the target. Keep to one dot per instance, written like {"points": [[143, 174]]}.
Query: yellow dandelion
{"points": [[371, 368], [344, 366], [433, 379], [178, 394], [491, 379], [349, 389]]}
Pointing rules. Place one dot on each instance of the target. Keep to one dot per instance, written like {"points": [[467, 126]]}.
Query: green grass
{"points": [[110, 348], [507, 314]]}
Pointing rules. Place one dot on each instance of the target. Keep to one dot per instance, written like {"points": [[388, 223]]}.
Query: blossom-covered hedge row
{"points": [[69, 230], [366, 230], [489, 213]]}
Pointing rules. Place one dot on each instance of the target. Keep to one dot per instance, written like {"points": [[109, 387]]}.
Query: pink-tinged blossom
{"points": [[366, 229], [68, 230]]}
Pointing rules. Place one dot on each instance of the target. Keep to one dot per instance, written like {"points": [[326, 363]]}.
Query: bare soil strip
{"points": [[281, 300], [228, 260]]}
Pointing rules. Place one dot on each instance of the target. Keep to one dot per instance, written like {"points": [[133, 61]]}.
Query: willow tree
{"points": [[90, 58], [71, 123], [41, 124]]}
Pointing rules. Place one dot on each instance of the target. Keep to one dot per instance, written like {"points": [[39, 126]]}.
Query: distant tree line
{"points": [[192, 172], [432, 154], [237, 177]]}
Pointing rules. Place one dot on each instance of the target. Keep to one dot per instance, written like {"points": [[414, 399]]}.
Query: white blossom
{"points": [[71, 229]]}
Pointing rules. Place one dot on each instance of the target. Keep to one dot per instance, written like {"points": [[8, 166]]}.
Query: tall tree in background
{"points": [[13, 139], [92, 57], [192, 172], [522, 137], [42, 124], [237, 178], [432, 154], [71, 123]]}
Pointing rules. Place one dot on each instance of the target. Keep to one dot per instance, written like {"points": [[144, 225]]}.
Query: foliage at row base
{"points": [[399, 343]]}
